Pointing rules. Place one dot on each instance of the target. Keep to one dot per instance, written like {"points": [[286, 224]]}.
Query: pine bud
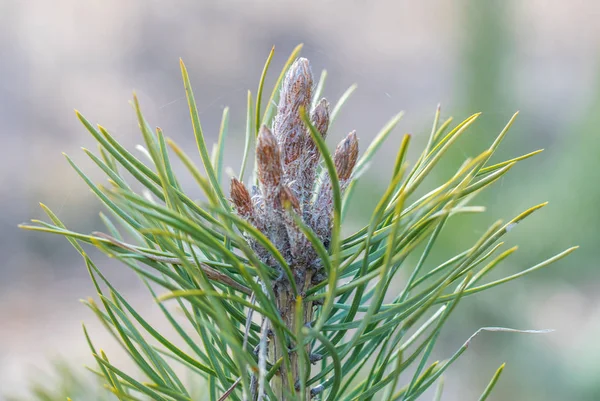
{"points": [[296, 92], [287, 160], [241, 199], [296, 89], [268, 161], [345, 156], [250, 208], [300, 247], [320, 119]]}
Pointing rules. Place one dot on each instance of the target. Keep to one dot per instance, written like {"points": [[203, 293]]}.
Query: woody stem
{"points": [[286, 302]]}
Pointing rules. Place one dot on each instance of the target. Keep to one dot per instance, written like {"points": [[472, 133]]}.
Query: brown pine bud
{"points": [[345, 158], [296, 89], [296, 92], [346, 155], [268, 160], [241, 199], [247, 208], [320, 119]]}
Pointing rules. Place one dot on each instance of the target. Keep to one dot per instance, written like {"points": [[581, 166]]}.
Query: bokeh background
{"points": [[537, 56]]}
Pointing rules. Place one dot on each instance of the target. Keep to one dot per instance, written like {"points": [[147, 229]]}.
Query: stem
{"points": [[286, 303]]}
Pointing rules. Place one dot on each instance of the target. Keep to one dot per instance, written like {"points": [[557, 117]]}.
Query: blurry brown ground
{"points": [[540, 57]]}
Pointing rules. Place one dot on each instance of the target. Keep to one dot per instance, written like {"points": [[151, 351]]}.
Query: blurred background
{"points": [[537, 56]]}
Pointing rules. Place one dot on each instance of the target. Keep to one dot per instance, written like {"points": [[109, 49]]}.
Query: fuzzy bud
{"points": [[287, 158], [320, 119], [346, 155], [241, 199], [296, 90], [270, 175], [296, 93], [250, 208], [268, 160], [300, 247]]}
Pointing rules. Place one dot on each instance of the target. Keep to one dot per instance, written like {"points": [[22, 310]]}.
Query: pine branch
{"points": [[273, 303]]}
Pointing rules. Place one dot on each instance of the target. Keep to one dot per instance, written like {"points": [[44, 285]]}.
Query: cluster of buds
{"points": [[289, 189]]}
